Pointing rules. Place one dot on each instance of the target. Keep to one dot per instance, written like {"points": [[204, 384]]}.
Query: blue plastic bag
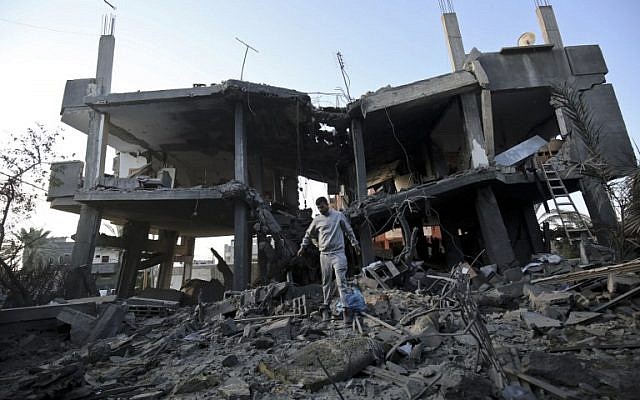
{"points": [[355, 301]]}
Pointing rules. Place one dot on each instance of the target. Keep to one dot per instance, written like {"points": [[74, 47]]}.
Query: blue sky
{"points": [[170, 44]]}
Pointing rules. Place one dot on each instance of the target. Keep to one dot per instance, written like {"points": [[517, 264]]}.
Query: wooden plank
{"points": [[617, 300], [631, 266], [563, 394], [605, 346]]}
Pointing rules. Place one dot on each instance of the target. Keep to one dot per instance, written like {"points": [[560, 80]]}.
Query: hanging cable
{"points": [[406, 155]]}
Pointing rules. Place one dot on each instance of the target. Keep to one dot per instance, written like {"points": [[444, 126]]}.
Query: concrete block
{"points": [[280, 329]]}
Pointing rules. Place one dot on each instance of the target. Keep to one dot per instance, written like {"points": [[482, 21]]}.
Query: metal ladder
{"points": [[561, 197]]}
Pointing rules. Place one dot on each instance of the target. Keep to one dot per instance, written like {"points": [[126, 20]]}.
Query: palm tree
{"points": [[624, 193], [36, 249]]}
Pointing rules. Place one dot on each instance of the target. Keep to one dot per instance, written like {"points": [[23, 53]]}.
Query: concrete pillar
{"points": [[187, 263], [533, 228], [89, 221], [134, 235], [470, 112], [494, 233], [364, 231], [549, 26], [168, 240], [487, 124], [473, 131], [454, 40], [603, 216], [242, 237]]}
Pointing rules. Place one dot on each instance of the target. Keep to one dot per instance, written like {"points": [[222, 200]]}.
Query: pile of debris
{"points": [[469, 334]]}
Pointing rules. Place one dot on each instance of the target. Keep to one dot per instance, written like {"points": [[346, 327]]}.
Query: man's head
{"points": [[323, 205]]}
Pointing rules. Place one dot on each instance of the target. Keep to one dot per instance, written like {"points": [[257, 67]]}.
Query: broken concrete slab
{"points": [[198, 291], [342, 358], [196, 383], [81, 324], [108, 323], [577, 317], [161, 294], [534, 320]]}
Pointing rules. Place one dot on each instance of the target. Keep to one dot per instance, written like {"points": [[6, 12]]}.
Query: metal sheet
{"points": [[520, 151]]}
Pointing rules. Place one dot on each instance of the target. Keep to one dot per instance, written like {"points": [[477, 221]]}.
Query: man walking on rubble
{"points": [[328, 227]]}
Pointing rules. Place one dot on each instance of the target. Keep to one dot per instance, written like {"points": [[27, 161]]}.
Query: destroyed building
{"points": [[456, 151], [453, 163]]}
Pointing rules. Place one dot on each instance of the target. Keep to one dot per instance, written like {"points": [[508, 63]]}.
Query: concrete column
{"points": [[494, 233], [364, 231], [168, 240], [187, 263], [454, 40], [549, 26], [134, 235], [487, 124], [471, 113], [603, 216], [473, 130], [89, 221], [242, 238], [533, 228]]}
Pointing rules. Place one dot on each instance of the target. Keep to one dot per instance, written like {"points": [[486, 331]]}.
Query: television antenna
{"points": [[246, 50]]}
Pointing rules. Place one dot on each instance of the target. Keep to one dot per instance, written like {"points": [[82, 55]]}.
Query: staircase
{"points": [[578, 227]]}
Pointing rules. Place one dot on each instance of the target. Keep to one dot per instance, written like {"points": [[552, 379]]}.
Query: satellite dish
{"points": [[527, 39]]}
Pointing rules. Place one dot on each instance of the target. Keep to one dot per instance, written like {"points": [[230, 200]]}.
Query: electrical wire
{"points": [[406, 155], [45, 28], [25, 182]]}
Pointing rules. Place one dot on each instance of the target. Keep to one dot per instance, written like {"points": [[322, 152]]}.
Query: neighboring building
{"points": [[453, 151], [56, 252]]}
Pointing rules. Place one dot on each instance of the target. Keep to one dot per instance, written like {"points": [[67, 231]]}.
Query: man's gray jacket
{"points": [[329, 231]]}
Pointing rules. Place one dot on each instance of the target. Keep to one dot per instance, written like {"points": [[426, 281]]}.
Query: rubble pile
{"points": [[472, 334]]}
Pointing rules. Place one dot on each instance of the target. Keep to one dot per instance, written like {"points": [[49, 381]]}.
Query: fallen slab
{"points": [[342, 358]]}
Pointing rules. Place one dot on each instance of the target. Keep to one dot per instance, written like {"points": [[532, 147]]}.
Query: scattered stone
{"points": [[263, 343], [235, 389], [230, 361]]}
